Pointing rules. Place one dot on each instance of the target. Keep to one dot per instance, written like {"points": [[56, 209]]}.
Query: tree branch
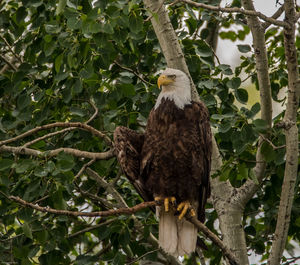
{"points": [[132, 71], [75, 152], [120, 211], [246, 192], [80, 125], [276, 15], [247, 12], [291, 135], [49, 135], [104, 184], [8, 62], [90, 228], [11, 49], [95, 113], [127, 211], [217, 241]]}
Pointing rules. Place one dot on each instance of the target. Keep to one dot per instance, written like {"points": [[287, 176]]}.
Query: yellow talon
{"points": [[192, 213], [158, 198], [173, 201], [184, 207], [166, 200]]}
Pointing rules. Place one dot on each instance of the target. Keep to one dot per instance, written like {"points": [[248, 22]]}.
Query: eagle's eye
{"points": [[171, 76]]}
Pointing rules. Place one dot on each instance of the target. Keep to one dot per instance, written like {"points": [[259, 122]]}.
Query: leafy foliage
{"points": [[70, 56]]}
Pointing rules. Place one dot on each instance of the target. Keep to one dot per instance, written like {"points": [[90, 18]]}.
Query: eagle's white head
{"points": [[175, 86]]}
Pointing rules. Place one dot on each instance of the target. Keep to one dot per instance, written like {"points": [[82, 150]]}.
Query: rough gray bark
{"points": [[261, 59], [291, 134]]}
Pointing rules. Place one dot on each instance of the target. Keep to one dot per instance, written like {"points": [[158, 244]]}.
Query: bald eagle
{"points": [[170, 162]]}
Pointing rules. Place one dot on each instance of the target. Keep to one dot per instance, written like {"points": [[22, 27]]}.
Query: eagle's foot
{"points": [[183, 208], [166, 200]]}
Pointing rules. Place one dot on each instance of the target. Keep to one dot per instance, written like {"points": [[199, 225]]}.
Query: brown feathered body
{"points": [[175, 156], [172, 158]]}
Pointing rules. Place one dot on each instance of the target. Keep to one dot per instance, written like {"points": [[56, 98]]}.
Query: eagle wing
{"points": [[128, 145], [202, 158]]}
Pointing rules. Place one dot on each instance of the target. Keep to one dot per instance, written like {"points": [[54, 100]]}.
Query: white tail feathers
{"points": [[176, 237]]}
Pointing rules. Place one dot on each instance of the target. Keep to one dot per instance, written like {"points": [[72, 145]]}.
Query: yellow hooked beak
{"points": [[164, 80]]}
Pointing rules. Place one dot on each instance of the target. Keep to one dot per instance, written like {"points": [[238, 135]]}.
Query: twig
{"points": [[103, 183], [75, 152], [83, 168], [80, 125], [269, 142], [95, 113], [48, 136], [8, 62], [144, 255], [237, 10], [117, 212], [276, 15], [11, 49], [132, 71], [107, 222], [98, 200]]}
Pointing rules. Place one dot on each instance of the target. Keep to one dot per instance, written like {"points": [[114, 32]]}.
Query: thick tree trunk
{"points": [[291, 134]]}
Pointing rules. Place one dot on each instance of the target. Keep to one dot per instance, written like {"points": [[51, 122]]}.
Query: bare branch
{"points": [[11, 49], [217, 241], [236, 10], [90, 228], [8, 62], [276, 15], [270, 143], [60, 124], [144, 255], [250, 187], [47, 136], [120, 211], [132, 71], [83, 168], [75, 152], [95, 113], [101, 182]]}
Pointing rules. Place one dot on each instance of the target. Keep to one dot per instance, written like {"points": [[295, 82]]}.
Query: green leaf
{"points": [[21, 14], [268, 152], [244, 48], [40, 172], [24, 165], [243, 170], [118, 259], [260, 125], [226, 69], [5, 164], [27, 230], [241, 95], [58, 62], [52, 27], [65, 162], [203, 49], [135, 23], [77, 87], [61, 6]]}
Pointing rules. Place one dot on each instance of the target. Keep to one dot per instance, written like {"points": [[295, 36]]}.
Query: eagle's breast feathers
{"points": [[172, 158]]}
